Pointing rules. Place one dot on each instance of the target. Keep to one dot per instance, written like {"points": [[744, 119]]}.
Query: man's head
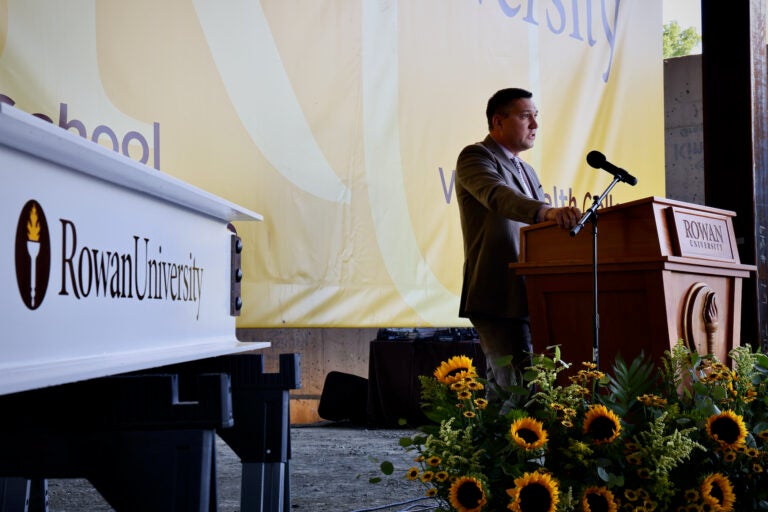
{"points": [[511, 115]]}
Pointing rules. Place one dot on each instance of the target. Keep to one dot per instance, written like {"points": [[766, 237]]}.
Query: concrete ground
{"points": [[330, 469]]}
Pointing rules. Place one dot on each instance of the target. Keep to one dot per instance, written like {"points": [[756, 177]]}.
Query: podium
{"points": [[667, 270]]}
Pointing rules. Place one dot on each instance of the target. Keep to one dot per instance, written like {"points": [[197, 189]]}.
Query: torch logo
{"points": [[33, 254]]}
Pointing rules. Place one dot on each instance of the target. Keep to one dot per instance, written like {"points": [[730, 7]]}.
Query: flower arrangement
{"points": [[688, 434]]}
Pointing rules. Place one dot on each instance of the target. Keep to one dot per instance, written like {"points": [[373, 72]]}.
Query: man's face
{"points": [[517, 129]]}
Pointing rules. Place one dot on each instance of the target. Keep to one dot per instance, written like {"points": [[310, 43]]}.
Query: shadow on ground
{"points": [[330, 469]]}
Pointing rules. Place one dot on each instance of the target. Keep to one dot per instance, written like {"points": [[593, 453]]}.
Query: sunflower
{"points": [[691, 495], [467, 495], [588, 375], [528, 433], [434, 461], [727, 428], [599, 499], [458, 386], [601, 424], [652, 401], [534, 492], [441, 476], [630, 494], [464, 395], [650, 505], [431, 492], [413, 474], [474, 385], [481, 403], [455, 369], [717, 491]]}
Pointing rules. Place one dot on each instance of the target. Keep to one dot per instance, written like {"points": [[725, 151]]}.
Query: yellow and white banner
{"points": [[340, 121]]}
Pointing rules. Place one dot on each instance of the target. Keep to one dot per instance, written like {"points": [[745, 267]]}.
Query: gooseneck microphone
{"points": [[597, 160]]}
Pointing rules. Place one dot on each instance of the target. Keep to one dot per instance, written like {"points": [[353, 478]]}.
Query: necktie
{"points": [[523, 178]]}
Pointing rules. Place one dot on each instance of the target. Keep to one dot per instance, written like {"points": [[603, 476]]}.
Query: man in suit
{"points": [[498, 194]]}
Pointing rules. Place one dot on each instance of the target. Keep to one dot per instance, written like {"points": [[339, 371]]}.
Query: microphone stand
{"points": [[591, 215]]}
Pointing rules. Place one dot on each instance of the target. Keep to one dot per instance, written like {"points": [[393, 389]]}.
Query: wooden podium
{"points": [[667, 270]]}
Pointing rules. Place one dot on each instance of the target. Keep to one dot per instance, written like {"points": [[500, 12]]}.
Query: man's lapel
{"points": [[510, 174], [533, 180]]}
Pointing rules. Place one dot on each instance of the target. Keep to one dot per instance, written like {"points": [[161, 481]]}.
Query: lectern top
{"points": [[648, 229]]}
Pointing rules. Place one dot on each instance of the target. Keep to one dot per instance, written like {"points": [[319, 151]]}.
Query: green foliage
{"points": [[660, 451], [629, 382], [679, 42]]}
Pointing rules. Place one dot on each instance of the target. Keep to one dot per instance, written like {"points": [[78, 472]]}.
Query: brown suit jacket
{"points": [[493, 207]]}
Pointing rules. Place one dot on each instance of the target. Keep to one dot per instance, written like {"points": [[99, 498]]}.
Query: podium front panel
{"points": [[666, 271]]}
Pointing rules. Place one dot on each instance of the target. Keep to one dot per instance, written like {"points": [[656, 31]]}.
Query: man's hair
{"points": [[499, 102]]}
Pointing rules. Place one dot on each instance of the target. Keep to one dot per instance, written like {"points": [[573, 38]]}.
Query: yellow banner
{"points": [[340, 121]]}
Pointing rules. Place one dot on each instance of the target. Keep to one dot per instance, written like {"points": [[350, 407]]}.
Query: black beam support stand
{"points": [[131, 436], [146, 441], [260, 436]]}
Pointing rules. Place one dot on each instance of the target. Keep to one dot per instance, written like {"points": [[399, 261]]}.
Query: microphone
{"points": [[597, 160]]}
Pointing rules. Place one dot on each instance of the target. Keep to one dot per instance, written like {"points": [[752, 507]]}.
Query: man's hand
{"points": [[565, 217]]}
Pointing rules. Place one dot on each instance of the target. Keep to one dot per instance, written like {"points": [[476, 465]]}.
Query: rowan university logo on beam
{"points": [[33, 254]]}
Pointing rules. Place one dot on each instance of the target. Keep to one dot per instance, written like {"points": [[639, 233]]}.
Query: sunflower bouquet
{"points": [[688, 434]]}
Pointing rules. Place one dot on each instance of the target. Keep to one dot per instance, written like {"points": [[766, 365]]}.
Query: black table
{"points": [[394, 391]]}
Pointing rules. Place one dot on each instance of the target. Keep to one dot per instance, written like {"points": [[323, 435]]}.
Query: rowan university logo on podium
{"points": [[33, 254]]}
